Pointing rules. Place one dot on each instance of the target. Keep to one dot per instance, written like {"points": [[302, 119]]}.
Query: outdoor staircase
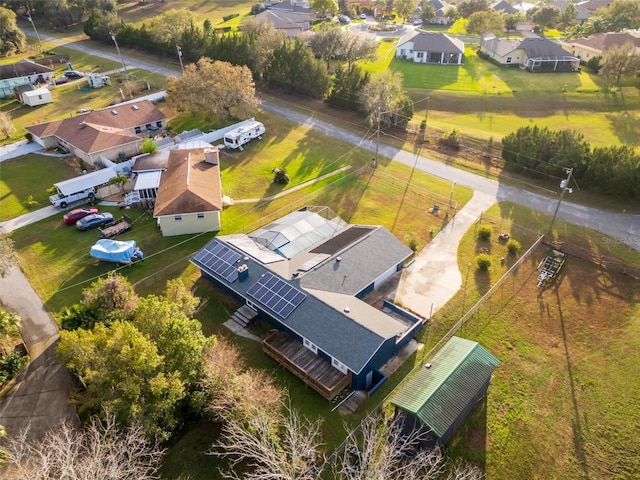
{"points": [[243, 316]]}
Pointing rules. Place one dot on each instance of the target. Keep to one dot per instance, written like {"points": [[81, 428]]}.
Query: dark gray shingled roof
{"points": [[331, 330], [538, 47], [359, 265], [432, 42]]}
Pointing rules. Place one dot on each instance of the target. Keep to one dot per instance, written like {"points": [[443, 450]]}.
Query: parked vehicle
{"points": [[61, 200], [62, 80], [363, 16], [94, 220], [73, 74], [240, 136], [344, 19], [121, 252], [74, 215], [117, 228]]}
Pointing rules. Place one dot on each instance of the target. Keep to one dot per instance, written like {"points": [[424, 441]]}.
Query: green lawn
{"points": [[567, 361]]}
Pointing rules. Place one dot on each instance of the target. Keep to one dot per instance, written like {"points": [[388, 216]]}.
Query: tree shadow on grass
{"points": [[626, 127]]}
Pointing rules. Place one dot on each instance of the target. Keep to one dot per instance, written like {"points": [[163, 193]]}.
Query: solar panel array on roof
{"points": [[220, 259], [276, 294]]}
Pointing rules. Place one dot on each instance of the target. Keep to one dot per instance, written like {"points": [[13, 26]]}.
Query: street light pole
{"points": [[34, 28], [180, 58], [124, 67], [564, 184], [453, 186]]}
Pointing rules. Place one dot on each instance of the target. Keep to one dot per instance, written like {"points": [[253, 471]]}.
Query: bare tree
{"points": [[6, 126], [381, 450], [100, 451], [285, 451]]}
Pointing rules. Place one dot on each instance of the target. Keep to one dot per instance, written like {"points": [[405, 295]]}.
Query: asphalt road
{"points": [[621, 227]]}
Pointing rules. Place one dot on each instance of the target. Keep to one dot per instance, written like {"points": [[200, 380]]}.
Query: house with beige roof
{"points": [[594, 45], [112, 132], [189, 194]]}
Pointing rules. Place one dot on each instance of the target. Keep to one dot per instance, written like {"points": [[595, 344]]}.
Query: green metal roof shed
{"points": [[445, 390]]}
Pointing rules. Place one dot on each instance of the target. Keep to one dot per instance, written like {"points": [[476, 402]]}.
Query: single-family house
{"points": [[189, 194], [503, 6], [305, 275], [292, 23], [428, 47], [113, 132], [596, 44], [586, 8], [441, 394], [22, 73], [39, 96], [439, 8], [535, 54]]}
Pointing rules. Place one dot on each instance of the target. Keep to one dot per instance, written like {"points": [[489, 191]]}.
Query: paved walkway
{"points": [[38, 396], [434, 277], [17, 149]]}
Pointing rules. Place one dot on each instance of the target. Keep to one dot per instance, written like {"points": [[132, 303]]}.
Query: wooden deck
{"points": [[315, 371]]}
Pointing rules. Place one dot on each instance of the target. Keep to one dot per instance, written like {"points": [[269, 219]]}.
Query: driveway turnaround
{"points": [[38, 397], [434, 276]]}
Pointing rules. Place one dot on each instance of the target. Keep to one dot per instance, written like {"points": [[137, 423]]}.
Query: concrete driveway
{"points": [[38, 397]]}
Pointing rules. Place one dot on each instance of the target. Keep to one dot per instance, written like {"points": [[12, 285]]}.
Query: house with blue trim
{"points": [[306, 275]]}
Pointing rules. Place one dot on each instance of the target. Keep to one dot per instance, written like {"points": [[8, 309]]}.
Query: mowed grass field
{"points": [[560, 403], [485, 101]]}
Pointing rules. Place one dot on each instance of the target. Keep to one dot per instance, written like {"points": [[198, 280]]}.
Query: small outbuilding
{"points": [[39, 96], [439, 397]]}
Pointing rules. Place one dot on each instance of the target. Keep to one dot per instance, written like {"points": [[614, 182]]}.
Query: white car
{"points": [[363, 16]]}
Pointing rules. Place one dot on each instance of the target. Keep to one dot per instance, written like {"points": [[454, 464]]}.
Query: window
{"points": [[138, 130], [517, 58], [419, 54], [508, 60], [178, 218], [339, 365], [201, 215], [159, 124], [310, 345]]}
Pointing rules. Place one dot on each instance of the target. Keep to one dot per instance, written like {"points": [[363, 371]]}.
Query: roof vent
{"points": [[427, 366], [114, 111], [347, 309], [135, 107], [338, 259]]}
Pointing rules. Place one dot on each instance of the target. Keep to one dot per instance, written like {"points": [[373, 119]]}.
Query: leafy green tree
{"points": [[12, 39], [325, 6], [111, 297], [121, 369], [264, 39], [427, 13], [613, 171], [358, 47], [149, 145], [100, 23], [618, 62], [385, 101], [168, 27], [568, 18], [120, 180], [546, 17], [452, 13], [328, 43], [511, 20], [466, 8], [484, 22], [348, 84], [218, 89], [621, 14], [405, 9]]}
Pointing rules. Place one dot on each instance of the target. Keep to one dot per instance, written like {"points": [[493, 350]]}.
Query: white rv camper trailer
{"points": [[240, 136]]}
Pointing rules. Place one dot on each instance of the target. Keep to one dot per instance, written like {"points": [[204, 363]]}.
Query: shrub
{"points": [[594, 63], [14, 362], [513, 246], [413, 244], [29, 137], [484, 261], [281, 176], [484, 232], [229, 17], [30, 202]]}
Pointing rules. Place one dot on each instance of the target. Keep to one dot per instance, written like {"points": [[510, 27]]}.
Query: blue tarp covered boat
{"points": [[117, 251]]}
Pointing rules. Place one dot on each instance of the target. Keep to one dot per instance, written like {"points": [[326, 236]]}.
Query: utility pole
{"points": [[375, 160], [124, 67], [453, 186], [564, 185], [426, 122], [34, 28], [180, 57]]}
